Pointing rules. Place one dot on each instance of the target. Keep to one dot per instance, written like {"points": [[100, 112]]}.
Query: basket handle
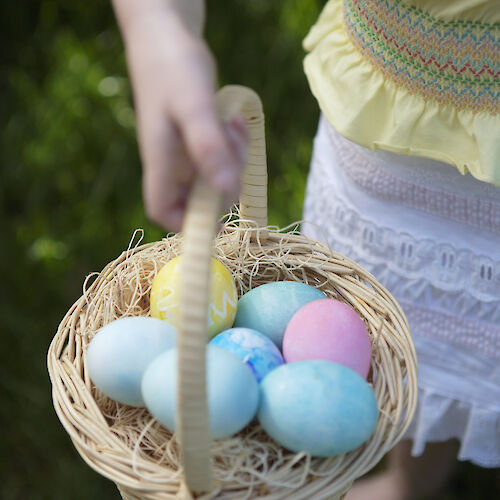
{"points": [[232, 100], [199, 229]]}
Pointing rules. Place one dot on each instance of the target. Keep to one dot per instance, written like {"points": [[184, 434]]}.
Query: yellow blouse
{"points": [[419, 77]]}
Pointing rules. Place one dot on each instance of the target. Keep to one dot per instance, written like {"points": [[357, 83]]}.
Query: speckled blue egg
{"points": [[268, 308], [119, 353], [320, 407], [232, 391], [253, 347]]}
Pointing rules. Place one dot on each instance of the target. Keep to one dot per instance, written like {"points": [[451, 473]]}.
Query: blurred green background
{"points": [[70, 194]]}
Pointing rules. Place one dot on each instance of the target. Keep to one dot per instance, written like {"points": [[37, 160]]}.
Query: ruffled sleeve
{"points": [[389, 74]]}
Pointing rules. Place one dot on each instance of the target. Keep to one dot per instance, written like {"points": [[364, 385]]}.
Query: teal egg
{"points": [[232, 391], [120, 352], [268, 308], [320, 407]]}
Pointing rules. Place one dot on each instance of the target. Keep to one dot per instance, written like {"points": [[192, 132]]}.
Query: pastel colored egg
{"points": [[319, 407], [251, 346], [223, 295], [328, 329], [120, 352], [232, 391], [268, 308]]}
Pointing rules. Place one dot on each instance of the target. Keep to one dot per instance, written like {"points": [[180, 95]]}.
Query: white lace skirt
{"points": [[432, 237]]}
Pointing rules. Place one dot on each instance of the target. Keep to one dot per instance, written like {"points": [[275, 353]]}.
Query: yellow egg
{"points": [[223, 296]]}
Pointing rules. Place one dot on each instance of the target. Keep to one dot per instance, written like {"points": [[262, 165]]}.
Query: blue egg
{"points": [[254, 348], [232, 391], [268, 308], [120, 352], [320, 407]]}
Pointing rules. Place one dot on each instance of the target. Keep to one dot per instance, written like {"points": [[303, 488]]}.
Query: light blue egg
{"points": [[268, 308], [120, 352], [232, 391], [253, 347], [319, 407]]}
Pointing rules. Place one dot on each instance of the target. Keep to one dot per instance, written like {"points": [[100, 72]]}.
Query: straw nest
{"points": [[129, 447]]}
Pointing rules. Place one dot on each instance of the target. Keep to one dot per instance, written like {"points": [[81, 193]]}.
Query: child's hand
{"points": [[180, 134]]}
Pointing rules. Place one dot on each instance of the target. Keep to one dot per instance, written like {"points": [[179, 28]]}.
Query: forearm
{"points": [[182, 14]]}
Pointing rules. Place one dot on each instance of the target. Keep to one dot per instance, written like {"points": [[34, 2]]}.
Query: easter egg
{"points": [[223, 295], [232, 391], [253, 347], [328, 329], [120, 352], [319, 407], [268, 308]]}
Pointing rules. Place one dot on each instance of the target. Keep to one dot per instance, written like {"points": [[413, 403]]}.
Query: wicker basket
{"points": [[129, 447]]}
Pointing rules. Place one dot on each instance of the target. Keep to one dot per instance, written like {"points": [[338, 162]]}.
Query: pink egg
{"points": [[328, 329]]}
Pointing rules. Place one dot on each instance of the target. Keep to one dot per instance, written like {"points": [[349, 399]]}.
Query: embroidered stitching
{"points": [[450, 62], [371, 178], [466, 332]]}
